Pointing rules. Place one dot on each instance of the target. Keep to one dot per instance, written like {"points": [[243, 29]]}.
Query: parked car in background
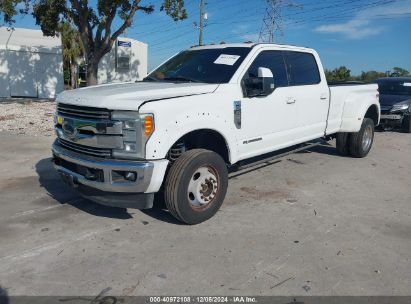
{"points": [[395, 100]]}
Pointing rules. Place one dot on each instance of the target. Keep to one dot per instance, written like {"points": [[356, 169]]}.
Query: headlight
{"points": [[400, 107], [137, 129]]}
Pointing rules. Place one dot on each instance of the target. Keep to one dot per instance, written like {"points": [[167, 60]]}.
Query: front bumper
{"points": [[97, 179], [393, 119]]}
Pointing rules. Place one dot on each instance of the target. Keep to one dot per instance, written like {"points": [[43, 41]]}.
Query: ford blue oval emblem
{"points": [[69, 130]]}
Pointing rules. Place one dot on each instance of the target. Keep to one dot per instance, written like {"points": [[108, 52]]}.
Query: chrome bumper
{"points": [[144, 171]]}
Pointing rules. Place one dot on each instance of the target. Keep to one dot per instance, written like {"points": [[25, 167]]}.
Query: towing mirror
{"points": [[263, 85], [267, 79]]}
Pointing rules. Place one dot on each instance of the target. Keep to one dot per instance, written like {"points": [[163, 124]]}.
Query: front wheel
{"points": [[361, 142], [196, 186]]}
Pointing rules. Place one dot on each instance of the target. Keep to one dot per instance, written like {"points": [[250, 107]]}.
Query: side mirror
{"points": [[267, 80], [263, 85]]}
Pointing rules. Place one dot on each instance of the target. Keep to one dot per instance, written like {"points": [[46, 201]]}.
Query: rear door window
{"points": [[302, 68]]}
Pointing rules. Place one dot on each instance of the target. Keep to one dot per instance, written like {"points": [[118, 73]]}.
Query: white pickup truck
{"points": [[201, 112]]}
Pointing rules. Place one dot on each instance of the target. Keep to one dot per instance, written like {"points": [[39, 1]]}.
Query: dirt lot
{"points": [[25, 116], [312, 224]]}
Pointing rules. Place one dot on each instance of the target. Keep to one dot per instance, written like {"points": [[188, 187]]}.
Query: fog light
{"points": [[123, 176], [130, 176], [129, 147]]}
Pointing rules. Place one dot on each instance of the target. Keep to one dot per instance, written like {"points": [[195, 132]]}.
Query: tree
{"points": [[370, 76], [338, 74], [8, 8], [72, 50], [94, 23], [399, 72]]}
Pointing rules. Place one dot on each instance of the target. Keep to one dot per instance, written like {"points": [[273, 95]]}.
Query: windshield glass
{"points": [[207, 65], [395, 88]]}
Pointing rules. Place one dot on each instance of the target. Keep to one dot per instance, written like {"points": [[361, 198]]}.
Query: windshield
{"points": [[207, 65], [395, 88]]}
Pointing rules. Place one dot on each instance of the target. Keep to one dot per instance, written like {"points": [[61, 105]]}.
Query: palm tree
{"points": [[72, 49]]}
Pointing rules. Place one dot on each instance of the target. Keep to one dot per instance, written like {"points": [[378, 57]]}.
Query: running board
{"points": [[267, 160]]}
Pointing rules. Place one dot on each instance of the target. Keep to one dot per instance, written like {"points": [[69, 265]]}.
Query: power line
{"points": [[272, 26]]}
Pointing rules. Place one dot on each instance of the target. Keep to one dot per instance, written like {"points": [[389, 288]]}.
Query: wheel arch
{"points": [[373, 113], [205, 138]]}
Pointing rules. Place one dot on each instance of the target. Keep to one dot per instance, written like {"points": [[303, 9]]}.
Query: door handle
{"points": [[290, 100], [324, 96]]}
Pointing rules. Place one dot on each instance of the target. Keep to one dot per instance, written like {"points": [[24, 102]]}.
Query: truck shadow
{"points": [[50, 181], [324, 148]]}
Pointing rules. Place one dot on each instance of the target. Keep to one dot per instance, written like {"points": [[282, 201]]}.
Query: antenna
{"points": [[272, 27]]}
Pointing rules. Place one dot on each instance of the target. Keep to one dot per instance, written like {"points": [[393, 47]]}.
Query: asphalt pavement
{"points": [[313, 223]]}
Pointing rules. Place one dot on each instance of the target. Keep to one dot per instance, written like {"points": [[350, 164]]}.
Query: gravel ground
{"points": [[27, 117]]}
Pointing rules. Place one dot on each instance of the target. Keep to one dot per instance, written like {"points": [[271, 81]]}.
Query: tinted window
{"points": [[207, 65], [302, 68], [274, 61], [395, 88]]}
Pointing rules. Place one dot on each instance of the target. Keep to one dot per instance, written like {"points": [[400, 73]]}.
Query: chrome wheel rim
{"points": [[367, 138], [203, 187]]}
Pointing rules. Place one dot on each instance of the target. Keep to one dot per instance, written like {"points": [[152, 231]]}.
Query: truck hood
{"points": [[130, 96]]}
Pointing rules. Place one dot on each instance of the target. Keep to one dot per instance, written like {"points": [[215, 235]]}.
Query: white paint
{"points": [[265, 73], [137, 53], [160, 167], [31, 65], [129, 96]]}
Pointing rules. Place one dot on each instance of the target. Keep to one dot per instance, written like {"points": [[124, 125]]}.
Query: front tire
{"points": [[196, 186], [361, 142]]}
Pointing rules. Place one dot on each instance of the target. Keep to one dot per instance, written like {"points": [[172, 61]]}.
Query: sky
{"points": [[359, 34]]}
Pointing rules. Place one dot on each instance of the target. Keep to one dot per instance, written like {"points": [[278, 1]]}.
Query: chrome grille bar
{"points": [[83, 112], [98, 152]]}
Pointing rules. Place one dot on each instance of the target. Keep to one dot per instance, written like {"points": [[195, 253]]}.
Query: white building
{"points": [[31, 65], [127, 61]]}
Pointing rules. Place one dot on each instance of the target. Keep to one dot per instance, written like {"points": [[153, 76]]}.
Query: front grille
{"points": [[83, 112], [96, 152]]}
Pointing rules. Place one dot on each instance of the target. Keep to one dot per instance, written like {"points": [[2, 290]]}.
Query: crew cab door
{"points": [[267, 122], [310, 93]]}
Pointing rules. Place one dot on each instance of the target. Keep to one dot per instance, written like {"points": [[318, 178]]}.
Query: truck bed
{"points": [[346, 99]]}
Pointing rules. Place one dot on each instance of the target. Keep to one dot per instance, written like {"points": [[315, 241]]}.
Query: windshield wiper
{"points": [[180, 78]]}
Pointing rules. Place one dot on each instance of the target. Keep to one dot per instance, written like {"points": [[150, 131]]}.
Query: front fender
{"points": [[162, 140], [175, 119]]}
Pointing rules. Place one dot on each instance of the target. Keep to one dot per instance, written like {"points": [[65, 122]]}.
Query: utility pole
{"points": [[202, 14]]}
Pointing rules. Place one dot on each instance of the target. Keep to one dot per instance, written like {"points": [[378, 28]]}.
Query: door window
{"points": [[302, 68], [272, 60]]}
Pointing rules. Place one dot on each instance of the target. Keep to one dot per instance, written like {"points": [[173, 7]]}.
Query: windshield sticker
{"points": [[227, 59], [407, 84]]}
